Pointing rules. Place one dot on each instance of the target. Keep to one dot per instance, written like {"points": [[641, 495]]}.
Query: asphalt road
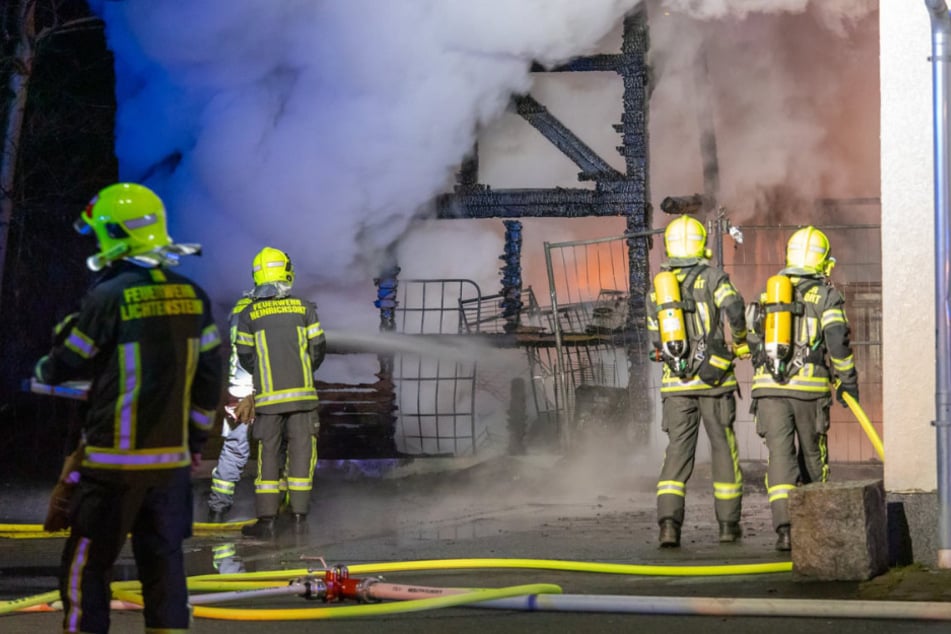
{"points": [[536, 507]]}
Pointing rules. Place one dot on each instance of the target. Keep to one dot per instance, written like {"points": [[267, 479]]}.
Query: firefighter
{"points": [[279, 340], [239, 415], [685, 326], [799, 328], [147, 338], [235, 449]]}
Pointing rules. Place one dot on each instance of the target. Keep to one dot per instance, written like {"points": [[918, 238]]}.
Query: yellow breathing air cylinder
{"points": [[777, 331], [670, 318]]}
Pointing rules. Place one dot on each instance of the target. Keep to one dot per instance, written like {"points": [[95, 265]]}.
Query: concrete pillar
{"points": [[908, 328]]}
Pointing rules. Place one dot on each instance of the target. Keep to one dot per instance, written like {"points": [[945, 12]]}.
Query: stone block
{"points": [[839, 530]]}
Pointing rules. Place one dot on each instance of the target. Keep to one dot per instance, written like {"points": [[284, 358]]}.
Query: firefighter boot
{"points": [[262, 529], [669, 534], [783, 540], [730, 532]]}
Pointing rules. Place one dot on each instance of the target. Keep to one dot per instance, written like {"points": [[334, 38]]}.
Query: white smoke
{"points": [[324, 128], [836, 16], [793, 98], [320, 128]]}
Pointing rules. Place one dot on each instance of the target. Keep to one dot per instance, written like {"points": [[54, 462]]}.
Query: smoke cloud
{"points": [[790, 89], [836, 16], [325, 128], [321, 128]]}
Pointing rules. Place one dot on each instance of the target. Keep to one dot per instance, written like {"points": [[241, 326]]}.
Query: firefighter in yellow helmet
{"points": [[147, 338], [800, 340], [684, 320], [280, 342]]}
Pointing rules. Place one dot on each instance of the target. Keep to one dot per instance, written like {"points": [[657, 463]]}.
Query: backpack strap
{"points": [[698, 344], [802, 352], [686, 287]]}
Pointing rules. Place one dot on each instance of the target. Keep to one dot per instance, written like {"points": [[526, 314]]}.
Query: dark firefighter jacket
{"points": [[713, 295], [148, 340], [280, 342], [822, 328]]}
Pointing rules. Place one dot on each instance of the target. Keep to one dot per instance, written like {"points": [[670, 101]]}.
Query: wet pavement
{"points": [[588, 510]]}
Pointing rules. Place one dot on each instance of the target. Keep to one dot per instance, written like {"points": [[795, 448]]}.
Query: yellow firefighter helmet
{"points": [[272, 265], [807, 253], [127, 219], [685, 238]]}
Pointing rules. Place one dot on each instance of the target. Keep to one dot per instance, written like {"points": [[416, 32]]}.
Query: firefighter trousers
{"points": [[156, 507], [300, 431], [235, 451], [681, 421], [785, 424]]}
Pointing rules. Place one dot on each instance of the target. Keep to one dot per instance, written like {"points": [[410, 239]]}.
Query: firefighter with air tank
{"points": [[798, 329], [684, 321]]}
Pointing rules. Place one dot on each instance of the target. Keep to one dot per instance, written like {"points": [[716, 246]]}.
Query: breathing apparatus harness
{"points": [[777, 318], [711, 359]]}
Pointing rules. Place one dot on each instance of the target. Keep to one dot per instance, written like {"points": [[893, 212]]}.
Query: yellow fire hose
{"points": [[863, 420], [129, 592], [35, 531], [479, 563], [527, 597], [374, 609]]}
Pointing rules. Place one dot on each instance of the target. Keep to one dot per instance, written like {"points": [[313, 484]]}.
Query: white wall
{"points": [[908, 314]]}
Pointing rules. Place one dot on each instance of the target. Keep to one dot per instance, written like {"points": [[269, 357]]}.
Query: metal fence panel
{"points": [[435, 397]]}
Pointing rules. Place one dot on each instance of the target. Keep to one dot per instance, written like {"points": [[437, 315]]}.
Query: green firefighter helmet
{"points": [[272, 265], [685, 239], [808, 253], [128, 219]]}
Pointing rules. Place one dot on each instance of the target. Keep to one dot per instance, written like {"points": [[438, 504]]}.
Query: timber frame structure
{"points": [[614, 193]]}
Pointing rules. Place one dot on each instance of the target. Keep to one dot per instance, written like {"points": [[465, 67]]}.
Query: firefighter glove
{"points": [[851, 389], [57, 514], [244, 410]]}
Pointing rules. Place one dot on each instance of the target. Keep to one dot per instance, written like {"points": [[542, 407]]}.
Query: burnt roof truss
{"points": [[614, 193]]}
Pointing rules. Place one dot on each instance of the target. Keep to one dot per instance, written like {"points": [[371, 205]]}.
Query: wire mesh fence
{"points": [[435, 396]]}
